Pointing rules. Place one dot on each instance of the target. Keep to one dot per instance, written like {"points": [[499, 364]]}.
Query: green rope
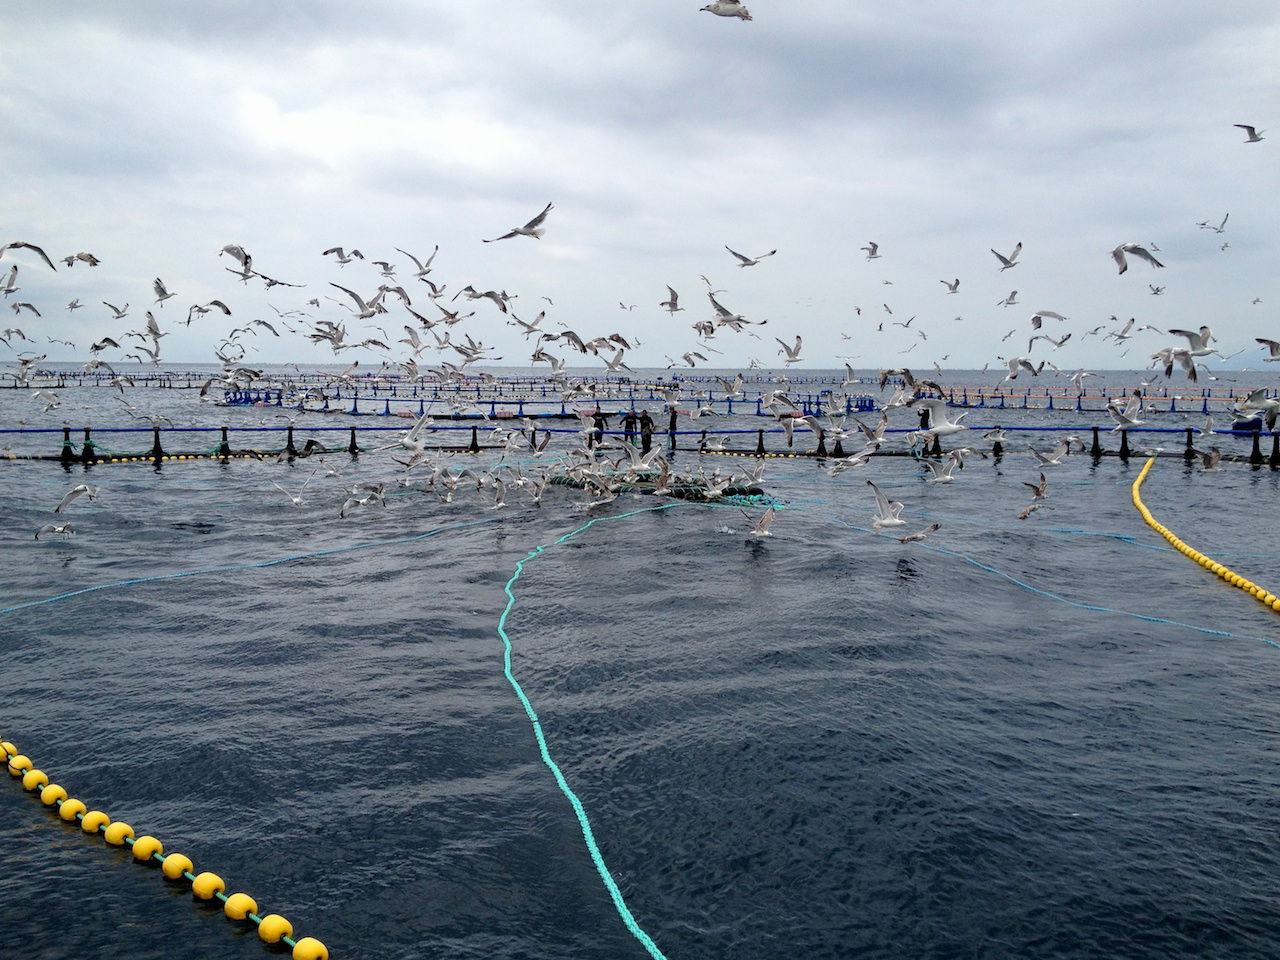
{"points": [[578, 809]]}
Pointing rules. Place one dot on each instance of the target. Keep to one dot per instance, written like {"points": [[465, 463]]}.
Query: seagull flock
{"points": [[430, 320]]}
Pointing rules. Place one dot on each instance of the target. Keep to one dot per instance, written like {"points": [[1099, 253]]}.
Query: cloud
{"points": [[155, 133]]}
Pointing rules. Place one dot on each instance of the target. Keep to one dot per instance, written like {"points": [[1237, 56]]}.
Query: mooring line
{"points": [[597, 858]]}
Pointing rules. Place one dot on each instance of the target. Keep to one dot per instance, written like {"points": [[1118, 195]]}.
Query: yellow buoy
{"points": [[175, 865], [239, 906], [273, 927], [146, 847], [309, 948], [34, 779], [70, 809], [117, 833], [20, 765], [93, 821], [52, 794], [207, 885], [8, 749]]}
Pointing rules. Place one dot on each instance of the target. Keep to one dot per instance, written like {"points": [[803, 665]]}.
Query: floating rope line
{"points": [[272, 928], [1061, 599], [1268, 598], [619, 903]]}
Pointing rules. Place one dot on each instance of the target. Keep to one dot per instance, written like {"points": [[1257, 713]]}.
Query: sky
{"points": [[152, 134]]}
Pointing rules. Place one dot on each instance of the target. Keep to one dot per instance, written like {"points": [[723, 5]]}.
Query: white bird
{"points": [[760, 527], [1054, 457], [728, 8], [953, 286], [1259, 402], [341, 257], [872, 248], [1198, 341], [64, 529], [920, 534], [793, 353], [1020, 363], [367, 310], [1128, 416], [1011, 260], [1008, 301], [1271, 345], [1139, 251], [162, 293], [49, 398], [672, 303], [119, 312], [84, 488], [940, 474], [424, 266], [296, 498], [744, 261], [887, 510], [531, 229], [939, 425], [1208, 225], [1252, 135], [19, 245]]}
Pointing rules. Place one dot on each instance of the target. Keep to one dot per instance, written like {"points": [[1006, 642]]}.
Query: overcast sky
{"points": [[151, 134]]}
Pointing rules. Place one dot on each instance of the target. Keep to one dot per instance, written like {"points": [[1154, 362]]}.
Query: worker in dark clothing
{"points": [[600, 422], [646, 431], [629, 426]]}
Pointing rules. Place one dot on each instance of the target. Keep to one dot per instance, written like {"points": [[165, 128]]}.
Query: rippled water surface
{"points": [[1045, 738]]}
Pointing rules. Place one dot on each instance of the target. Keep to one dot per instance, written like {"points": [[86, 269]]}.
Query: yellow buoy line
{"points": [[1233, 578], [272, 928]]}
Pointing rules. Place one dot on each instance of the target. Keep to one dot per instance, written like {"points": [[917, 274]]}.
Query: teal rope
{"points": [[245, 566], [1061, 599], [578, 809]]}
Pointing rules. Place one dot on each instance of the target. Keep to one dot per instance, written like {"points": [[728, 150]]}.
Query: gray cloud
{"points": [[158, 132]]}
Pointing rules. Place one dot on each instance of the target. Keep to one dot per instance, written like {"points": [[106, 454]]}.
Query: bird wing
{"points": [[353, 295], [19, 244], [537, 221]]}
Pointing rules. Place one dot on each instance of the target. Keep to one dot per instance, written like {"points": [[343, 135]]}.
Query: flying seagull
{"points": [[1011, 260], [887, 510], [920, 534], [20, 244], [728, 8], [1137, 250], [1251, 135], [65, 529], [88, 488], [672, 303], [531, 229], [744, 261]]}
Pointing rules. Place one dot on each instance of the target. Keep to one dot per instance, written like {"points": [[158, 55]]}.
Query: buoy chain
{"points": [[1267, 597], [272, 928]]}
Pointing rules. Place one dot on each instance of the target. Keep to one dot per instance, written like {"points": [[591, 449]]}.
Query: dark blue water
{"points": [[819, 744]]}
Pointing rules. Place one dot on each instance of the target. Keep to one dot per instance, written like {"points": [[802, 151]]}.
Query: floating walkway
{"points": [[91, 452]]}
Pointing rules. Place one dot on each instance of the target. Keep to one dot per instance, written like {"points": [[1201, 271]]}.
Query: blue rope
{"points": [[1061, 599], [596, 857], [244, 566]]}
